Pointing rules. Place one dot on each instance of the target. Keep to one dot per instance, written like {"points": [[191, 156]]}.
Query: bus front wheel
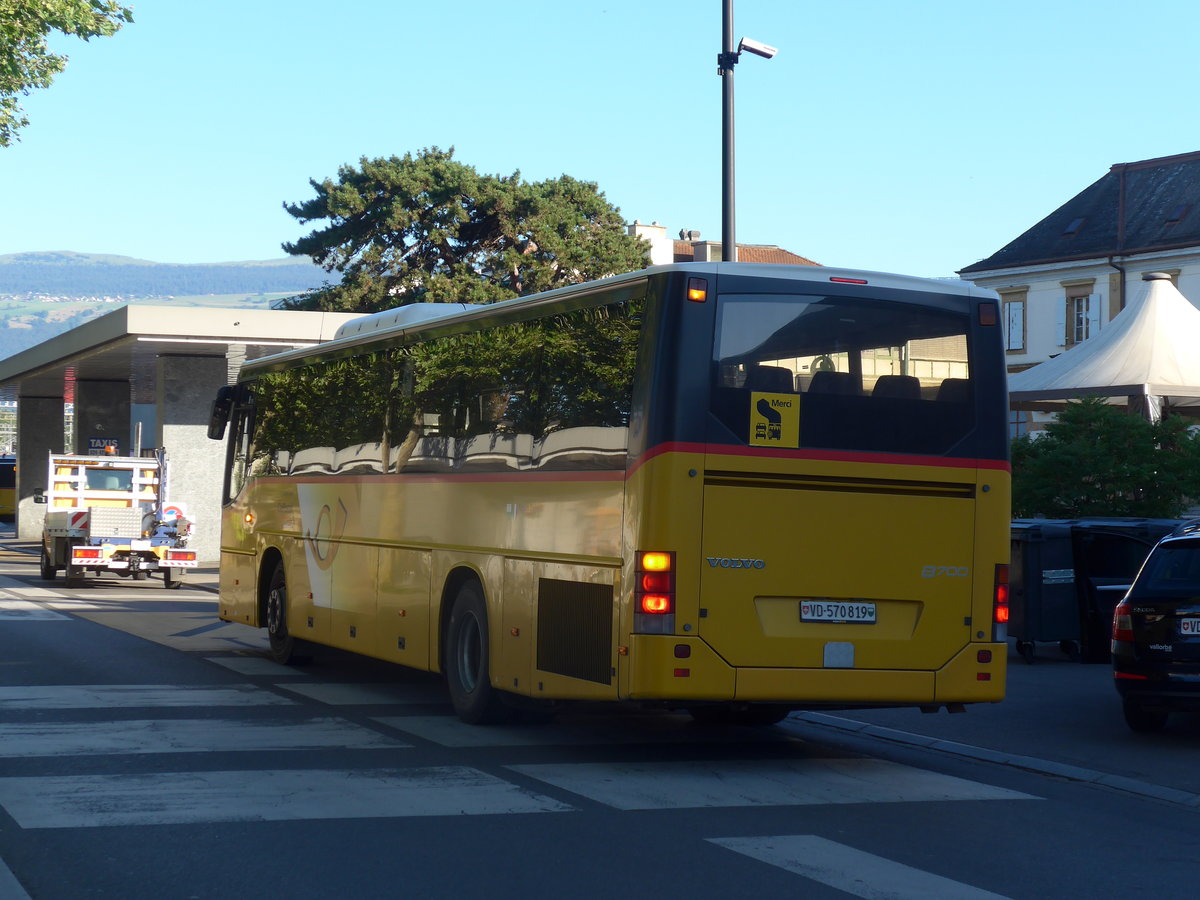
{"points": [[467, 660], [283, 645]]}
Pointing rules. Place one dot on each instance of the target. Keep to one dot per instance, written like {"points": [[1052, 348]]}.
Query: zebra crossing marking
{"points": [[18, 610], [179, 798], [119, 696], [802, 782], [852, 871], [42, 739]]}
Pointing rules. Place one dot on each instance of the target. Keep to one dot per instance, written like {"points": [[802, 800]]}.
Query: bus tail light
{"points": [[1122, 628], [1000, 608], [654, 592], [697, 290]]}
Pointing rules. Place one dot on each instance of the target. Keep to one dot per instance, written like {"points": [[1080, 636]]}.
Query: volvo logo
{"points": [[725, 562]]}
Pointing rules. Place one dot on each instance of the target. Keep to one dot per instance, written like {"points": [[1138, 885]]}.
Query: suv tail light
{"points": [[1000, 607], [1122, 629]]}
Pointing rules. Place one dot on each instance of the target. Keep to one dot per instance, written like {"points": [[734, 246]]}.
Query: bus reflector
{"points": [[697, 290]]}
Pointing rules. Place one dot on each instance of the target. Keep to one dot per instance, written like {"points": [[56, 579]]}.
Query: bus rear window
{"points": [[842, 373]]}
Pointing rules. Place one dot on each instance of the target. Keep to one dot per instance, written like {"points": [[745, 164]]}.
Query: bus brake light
{"points": [[654, 592], [1000, 607]]}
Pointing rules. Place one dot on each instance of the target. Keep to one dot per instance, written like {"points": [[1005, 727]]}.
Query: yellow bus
{"points": [[725, 488]]}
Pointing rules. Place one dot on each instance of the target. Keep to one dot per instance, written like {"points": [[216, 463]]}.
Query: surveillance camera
{"points": [[766, 51]]}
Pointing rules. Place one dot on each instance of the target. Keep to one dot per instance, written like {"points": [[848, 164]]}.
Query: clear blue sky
{"points": [[910, 137]]}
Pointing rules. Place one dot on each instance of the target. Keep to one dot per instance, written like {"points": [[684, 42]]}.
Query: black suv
{"points": [[1156, 633]]}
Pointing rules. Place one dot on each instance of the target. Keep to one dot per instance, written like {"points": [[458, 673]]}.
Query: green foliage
{"points": [[26, 63], [428, 228], [1098, 460]]}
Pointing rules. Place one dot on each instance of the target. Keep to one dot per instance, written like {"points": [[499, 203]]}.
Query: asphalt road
{"points": [[149, 751]]}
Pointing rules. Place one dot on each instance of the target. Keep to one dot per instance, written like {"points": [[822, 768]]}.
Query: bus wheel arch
{"points": [[466, 651]]}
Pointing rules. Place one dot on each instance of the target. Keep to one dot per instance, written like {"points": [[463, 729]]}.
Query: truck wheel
{"points": [[169, 582], [283, 645], [467, 660], [48, 569]]}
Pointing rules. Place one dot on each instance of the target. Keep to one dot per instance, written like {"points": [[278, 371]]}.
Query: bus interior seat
{"points": [[898, 387], [954, 390], [833, 383], [769, 379]]}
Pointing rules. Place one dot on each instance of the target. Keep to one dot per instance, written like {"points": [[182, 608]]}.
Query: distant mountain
{"points": [[65, 274]]}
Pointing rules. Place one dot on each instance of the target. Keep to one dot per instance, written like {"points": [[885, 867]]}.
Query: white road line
{"points": [[853, 871], [69, 696], [691, 785], [15, 610], [336, 694], [88, 801], [185, 736]]}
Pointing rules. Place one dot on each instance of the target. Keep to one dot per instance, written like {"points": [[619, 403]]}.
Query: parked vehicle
{"points": [[1156, 633], [106, 514]]}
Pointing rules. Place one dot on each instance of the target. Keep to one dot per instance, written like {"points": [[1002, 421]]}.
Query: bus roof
{"points": [[394, 326]]}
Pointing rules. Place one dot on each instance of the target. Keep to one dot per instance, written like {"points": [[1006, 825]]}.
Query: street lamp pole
{"points": [[726, 60]]}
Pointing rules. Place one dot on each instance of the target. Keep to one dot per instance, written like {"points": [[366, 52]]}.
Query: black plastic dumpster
{"points": [[1067, 576], [1043, 605]]}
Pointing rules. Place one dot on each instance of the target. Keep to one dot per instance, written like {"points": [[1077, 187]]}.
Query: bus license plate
{"points": [[849, 611], [1189, 627]]}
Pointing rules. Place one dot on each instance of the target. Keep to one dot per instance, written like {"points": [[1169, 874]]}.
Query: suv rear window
{"points": [[1172, 570]]}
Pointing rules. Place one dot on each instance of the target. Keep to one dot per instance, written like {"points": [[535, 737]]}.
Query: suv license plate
{"points": [[1189, 627], [856, 612]]}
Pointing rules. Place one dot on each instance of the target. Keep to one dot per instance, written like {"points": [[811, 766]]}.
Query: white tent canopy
{"points": [[1150, 350]]}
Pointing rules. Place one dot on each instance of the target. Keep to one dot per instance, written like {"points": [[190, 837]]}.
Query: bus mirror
{"points": [[39, 495], [221, 408]]}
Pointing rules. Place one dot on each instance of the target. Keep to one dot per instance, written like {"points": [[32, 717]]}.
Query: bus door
{"points": [[836, 532]]}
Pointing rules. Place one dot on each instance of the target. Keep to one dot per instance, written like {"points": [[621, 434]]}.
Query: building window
{"points": [[1014, 324], [1018, 423], [1078, 318]]}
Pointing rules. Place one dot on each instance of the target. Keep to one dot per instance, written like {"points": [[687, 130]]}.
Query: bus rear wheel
{"points": [[283, 645], [467, 660]]}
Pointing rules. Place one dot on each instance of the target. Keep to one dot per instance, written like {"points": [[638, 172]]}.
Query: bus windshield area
{"points": [[842, 373]]}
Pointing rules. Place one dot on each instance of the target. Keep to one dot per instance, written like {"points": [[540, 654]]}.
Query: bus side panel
{"points": [[404, 606], [238, 599]]}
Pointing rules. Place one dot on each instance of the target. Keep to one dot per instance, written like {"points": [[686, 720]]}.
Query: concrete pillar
{"points": [[39, 433], [186, 388], [102, 415]]}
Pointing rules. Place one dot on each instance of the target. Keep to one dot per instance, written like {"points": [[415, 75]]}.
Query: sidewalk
{"points": [[204, 577]]}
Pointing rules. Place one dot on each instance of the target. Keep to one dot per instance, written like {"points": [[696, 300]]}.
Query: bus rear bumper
{"points": [[660, 671]]}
